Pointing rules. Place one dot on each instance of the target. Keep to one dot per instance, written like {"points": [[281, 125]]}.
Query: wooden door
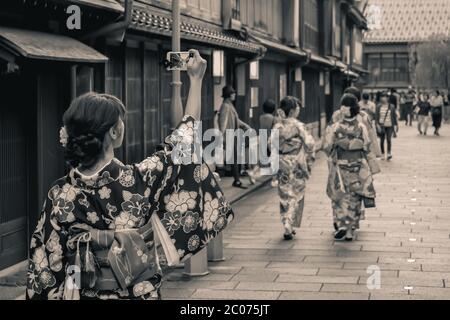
{"points": [[14, 170]]}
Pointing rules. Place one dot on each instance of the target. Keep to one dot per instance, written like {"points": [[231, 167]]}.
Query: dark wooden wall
{"points": [[14, 170], [314, 96]]}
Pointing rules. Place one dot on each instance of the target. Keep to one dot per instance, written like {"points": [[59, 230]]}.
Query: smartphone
{"points": [[178, 60]]}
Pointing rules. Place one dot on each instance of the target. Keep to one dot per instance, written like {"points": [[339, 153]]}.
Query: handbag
{"points": [[380, 128], [437, 111]]}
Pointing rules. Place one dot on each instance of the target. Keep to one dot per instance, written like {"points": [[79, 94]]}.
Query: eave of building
{"points": [[148, 20], [104, 5], [355, 15]]}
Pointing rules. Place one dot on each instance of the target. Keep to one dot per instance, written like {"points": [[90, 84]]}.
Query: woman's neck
{"points": [[101, 163]]}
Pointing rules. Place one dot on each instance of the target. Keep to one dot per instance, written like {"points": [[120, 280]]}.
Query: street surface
{"points": [[406, 237]]}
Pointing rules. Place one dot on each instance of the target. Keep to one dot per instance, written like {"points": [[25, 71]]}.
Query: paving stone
{"points": [[322, 296], [169, 294], [235, 295], [316, 279], [278, 286]]}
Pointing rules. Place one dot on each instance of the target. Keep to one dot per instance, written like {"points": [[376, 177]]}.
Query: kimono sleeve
{"points": [[309, 144], [367, 141], [185, 196], [46, 269], [329, 139]]}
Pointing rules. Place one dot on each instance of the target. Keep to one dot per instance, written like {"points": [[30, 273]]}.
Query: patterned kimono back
{"points": [[348, 145], [104, 224]]}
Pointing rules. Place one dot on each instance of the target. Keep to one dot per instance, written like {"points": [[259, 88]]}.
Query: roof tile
{"points": [[406, 20]]}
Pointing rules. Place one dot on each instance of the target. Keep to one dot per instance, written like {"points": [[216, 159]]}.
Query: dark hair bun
{"points": [[349, 100], [83, 149], [289, 103], [87, 121]]}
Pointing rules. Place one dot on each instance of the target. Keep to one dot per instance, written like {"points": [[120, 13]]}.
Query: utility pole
{"points": [[198, 264], [176, 112]]}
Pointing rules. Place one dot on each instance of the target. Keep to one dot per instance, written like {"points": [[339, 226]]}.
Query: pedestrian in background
{"points": [[445, 111], [394, 98], [423, 113], [409, 107], [386, 122], [368, 106], [402, 109], [350, 181], [266, 122], [436, 103], [296, 148], [229, 120]]}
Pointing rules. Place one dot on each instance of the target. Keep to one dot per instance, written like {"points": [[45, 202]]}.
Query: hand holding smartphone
{"points": [[178, 60]]}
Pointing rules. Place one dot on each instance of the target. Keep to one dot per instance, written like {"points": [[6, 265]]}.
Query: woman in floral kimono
{"points": [[296, 148], [101, 224], [350, 180]]}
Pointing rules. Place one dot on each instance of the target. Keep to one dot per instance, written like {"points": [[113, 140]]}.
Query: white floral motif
{"points": [[125, 220], [92, 217], [40, 258], [201, 173], [127, 179], [53, 245], [151, 164], [62, 200], [142, 288], [105, 193], [181, 202], [211, 212], [193, 243], [63, 136], [143, 256], [183, 134]]}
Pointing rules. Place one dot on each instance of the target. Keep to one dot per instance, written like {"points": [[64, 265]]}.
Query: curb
{"points": [[249, 191]]}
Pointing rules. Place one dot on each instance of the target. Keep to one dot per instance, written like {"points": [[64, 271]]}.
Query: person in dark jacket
{"points": [[229, 120], [387, 124], [424, 112], [409, 107]]}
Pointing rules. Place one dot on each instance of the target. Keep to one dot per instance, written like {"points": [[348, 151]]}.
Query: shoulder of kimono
{"points": [[61, 181]]}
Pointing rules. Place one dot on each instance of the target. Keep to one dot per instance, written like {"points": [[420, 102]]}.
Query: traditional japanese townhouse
{"points": [[394, 26], [40, 63], [344, 46], [314, 51], [268, 23], [119, 49]]}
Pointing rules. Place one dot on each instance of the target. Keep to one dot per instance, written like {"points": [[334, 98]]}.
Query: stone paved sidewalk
{"points": [[406, 236]]}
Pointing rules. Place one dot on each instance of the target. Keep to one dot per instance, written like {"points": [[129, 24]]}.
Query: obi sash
{"points": [[113, 260]]}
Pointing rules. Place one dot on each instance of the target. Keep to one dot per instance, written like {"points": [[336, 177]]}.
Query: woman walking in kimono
{"points": [[296, 148], [350, 182], [101, 224]]}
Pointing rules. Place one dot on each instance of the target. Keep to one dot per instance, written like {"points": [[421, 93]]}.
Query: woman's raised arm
{"points": [[196, 71]]}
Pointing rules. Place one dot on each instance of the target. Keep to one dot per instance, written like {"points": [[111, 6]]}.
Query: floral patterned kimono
{"points": [[296, 157], [105, 229], [350, 179]]}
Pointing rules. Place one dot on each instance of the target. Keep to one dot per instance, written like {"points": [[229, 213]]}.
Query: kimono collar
{"points": [[280, 113], [110, 173], [350, 120]]}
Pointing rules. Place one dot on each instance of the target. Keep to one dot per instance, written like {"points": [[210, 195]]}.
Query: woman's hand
{"points": [[196, 66]]}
